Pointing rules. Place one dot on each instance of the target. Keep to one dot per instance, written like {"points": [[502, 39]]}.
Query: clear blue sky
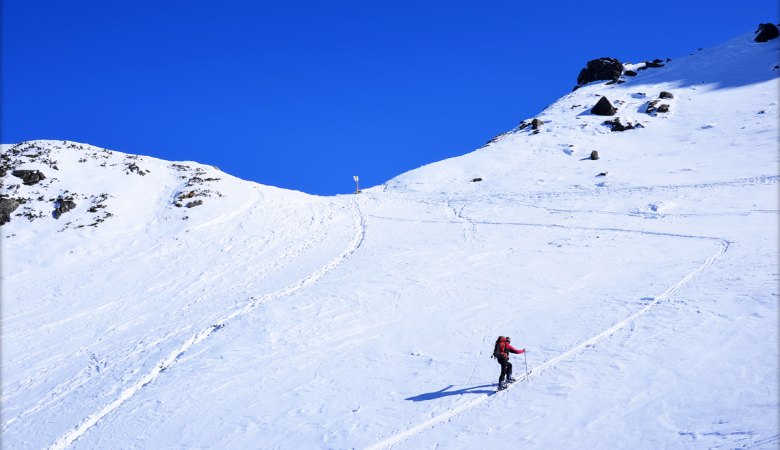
{"points": [[303, 94]]}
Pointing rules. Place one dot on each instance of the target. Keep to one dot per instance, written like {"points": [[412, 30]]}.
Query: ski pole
{"points": [[525, 357], [526, 364]]}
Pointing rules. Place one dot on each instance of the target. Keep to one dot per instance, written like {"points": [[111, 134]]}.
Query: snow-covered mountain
{"points": [[153, 304]]}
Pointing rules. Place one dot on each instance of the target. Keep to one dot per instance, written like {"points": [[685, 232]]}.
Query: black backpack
{"points": [[498, 347]]}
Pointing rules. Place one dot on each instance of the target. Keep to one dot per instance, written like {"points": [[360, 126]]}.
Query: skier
{"points": [[501, 352]]}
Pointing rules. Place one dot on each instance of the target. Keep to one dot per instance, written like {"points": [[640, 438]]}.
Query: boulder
{"points": [[194, 204], [476, 180], [664, 108], [594, 155], [62, 206], [603, 108], [630, 73], [665, 94], [608, 69], [651, 107], [536, 123], [29, 177], [766, 32], [615, 125], [7, 206]]}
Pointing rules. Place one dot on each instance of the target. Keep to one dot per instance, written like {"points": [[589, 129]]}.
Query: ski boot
{"points": [[501, 386], [510, 380]]}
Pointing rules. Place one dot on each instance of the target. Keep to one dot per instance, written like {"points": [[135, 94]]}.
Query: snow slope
{"points": [[265, 318]]}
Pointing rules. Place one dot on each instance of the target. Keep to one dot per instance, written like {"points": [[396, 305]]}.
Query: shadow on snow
{"points": [[447, 392]]}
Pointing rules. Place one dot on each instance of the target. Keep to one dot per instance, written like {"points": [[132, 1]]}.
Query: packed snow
{"points": [[178, 306]]}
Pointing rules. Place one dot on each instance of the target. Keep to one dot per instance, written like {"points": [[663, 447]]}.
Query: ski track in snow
{"points": [[723, 245], [68, 438], [87, 374]]}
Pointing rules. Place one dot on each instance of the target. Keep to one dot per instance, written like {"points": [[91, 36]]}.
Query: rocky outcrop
{"points": [[608, 69], [616, 125], [62, 206], [8, 206], [29, 177], [766, 32], [603, 108], [653, 106], [654, 64]]}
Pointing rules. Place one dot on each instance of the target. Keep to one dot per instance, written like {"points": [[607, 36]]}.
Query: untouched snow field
{"points": [[265, 318]]}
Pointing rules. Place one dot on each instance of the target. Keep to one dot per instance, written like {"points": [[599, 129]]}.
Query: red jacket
{"points": [[509, 349], [505, 349]]}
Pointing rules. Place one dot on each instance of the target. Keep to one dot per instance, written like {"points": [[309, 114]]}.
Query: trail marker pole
{"points": [[357, 186]]}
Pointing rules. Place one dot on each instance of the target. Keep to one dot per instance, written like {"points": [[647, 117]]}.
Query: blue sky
{"points": [[302, 94]]}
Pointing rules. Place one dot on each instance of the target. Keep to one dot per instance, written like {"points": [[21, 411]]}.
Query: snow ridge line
{"points": [[68, 438], [395, 439]]}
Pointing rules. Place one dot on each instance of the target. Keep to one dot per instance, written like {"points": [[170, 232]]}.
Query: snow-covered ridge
{"points": [[724, 94], [95, 184], [148, 303]]}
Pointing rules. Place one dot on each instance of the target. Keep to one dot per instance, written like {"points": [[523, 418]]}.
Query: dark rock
{"points": [[615, 125], [651, 107], [766, 32], [603, 108], [664, 108], [7, 206], [602, 174], [594, 155], [476, 180], [523, 125], [62, 206], [630, 73], [133, 167], [495, 139], [194, 204], [665, 94], [656, 63], [536, 123], [29, 177], [608, 69]]}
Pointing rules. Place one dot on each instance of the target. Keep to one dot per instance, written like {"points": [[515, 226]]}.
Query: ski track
{"points": [[87, 374], [469, 234], [590, 342], [68, 438]]}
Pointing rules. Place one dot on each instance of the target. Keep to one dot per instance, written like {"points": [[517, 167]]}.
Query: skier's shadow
{"points": [[447, 392]]}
